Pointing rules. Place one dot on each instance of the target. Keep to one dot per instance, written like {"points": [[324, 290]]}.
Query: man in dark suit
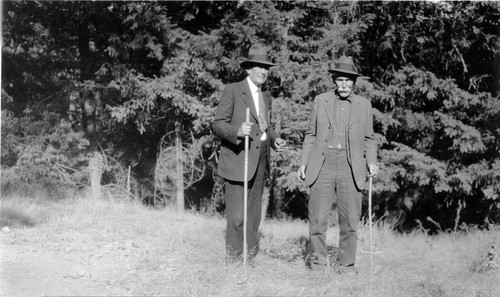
{"points": [[339, 151], [231, 125]]}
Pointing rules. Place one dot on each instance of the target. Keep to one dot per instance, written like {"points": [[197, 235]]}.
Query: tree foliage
{"points": [[449, 39]]}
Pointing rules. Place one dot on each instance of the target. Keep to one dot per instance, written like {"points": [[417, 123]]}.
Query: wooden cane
{"points": [[245, 195], [370, 226]]}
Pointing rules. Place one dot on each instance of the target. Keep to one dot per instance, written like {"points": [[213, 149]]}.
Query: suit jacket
{"points": [[361, 142], [231, 112]]}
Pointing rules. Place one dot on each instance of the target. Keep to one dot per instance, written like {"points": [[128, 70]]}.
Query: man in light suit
{"points": [[339, 151], [231, 125]]}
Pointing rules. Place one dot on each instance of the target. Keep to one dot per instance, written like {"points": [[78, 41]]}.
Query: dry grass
{"points": [[162, 252]]}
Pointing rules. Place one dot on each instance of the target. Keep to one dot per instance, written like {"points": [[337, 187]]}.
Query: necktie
{"points": [[262, 113]]}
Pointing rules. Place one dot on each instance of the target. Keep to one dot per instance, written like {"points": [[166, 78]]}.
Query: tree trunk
{"points": [[179, 166], [457, 217], [277, 199], [95, 175], [89, 111]]}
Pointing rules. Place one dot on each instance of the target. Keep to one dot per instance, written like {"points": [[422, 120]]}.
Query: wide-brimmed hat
{"points": [[258, 55], [344, 65]]}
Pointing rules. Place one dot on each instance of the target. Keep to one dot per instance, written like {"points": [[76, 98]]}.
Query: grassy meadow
{"points": [[140, 251]]}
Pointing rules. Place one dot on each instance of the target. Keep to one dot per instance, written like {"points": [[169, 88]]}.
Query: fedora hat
{"points": [[258, 55], [344, 65]]}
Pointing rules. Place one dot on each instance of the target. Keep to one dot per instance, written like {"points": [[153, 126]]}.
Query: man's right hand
{"points": [[245, 129], [301, 173]]}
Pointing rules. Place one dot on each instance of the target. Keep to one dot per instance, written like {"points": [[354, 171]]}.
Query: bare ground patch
{"points": [[32, 266]]}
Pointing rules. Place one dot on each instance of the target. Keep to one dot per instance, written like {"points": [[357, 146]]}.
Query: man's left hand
{"points": [[280, 144], [372, 170]]}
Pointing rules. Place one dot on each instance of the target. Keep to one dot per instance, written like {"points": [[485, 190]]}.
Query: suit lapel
{"points": [[267, 104], [330, 108]]}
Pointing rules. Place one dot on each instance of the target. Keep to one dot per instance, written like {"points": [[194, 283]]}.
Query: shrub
{"points": [[41, 152]]}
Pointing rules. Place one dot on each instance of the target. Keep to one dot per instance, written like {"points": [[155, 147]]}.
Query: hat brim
{"points": [[344, 72], [247, 62]]}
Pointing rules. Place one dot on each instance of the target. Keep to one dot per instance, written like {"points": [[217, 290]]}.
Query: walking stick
{"points": [[370, 226], [245, 195]]}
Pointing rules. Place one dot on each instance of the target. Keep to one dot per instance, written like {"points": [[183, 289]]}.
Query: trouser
{"points": [[334, 187], [234, 193]]}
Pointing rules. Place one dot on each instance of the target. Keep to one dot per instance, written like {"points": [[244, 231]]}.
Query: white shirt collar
{"points": [[253, 87]]}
